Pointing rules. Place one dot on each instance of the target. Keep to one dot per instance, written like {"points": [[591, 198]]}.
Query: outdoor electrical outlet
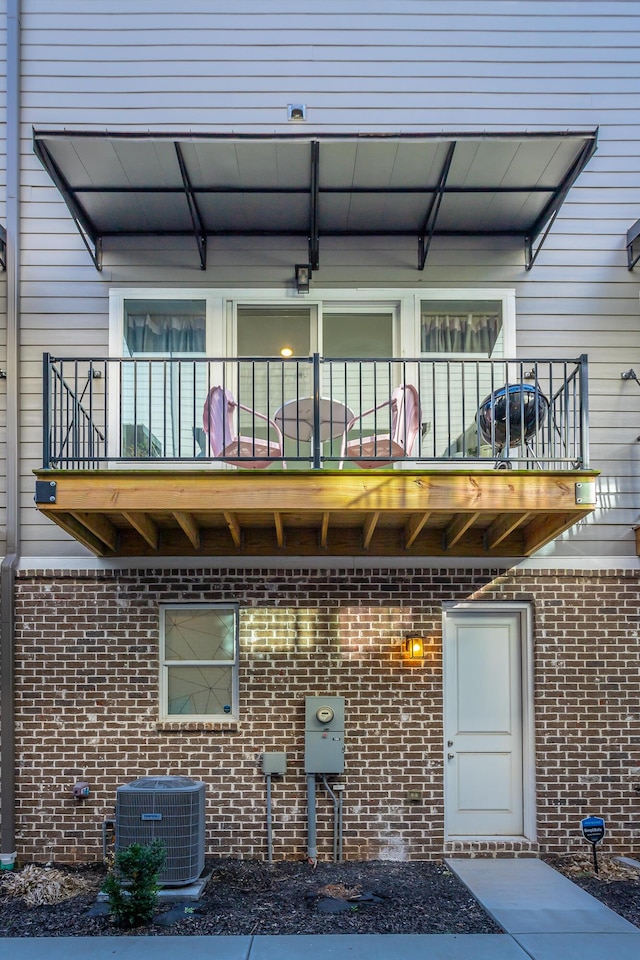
{"points": [[414, 796]]}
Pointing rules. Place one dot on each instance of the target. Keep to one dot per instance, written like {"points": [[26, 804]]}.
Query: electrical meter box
{"points": [[274, 763], [324, 735]]}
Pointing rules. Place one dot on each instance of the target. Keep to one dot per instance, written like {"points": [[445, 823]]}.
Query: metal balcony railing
{"points": [[315, 412]]}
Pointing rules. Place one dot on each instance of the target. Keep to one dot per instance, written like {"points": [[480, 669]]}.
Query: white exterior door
{"points": [[483, 724]]}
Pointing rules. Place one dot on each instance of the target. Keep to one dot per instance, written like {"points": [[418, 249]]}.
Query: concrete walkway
{"points": [[544, 916]]}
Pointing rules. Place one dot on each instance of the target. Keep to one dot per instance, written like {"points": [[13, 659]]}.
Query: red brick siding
{"points": [[87, 678]]}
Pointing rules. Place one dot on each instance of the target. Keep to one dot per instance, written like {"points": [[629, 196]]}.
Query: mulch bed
{"points": [[616, 885], [253, 897]]}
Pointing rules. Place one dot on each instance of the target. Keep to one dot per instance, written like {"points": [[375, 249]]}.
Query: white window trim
{"points": [[164, 665], [506, 296], [222, 304], [213, 313]]}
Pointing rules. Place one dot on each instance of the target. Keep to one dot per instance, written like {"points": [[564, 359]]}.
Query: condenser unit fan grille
{"points": [[171, 809]]}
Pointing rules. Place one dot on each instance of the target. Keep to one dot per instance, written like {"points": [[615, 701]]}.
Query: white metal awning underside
{"points": [[420, 185]]}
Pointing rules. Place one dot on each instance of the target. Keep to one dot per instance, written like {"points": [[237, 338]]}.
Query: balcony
{"points": [[315, 456]]}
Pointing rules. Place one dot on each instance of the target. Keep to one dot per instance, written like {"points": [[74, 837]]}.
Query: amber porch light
{"points": [[414, 648]]}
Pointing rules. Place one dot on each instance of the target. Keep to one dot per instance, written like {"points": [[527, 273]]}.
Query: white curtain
{"points": [[459, 332]]}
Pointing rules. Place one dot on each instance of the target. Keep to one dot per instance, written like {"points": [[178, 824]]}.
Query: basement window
{"points": [[198, 662]]}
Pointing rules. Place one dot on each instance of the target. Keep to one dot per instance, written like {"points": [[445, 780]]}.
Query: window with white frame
{"points": [[199, 662], [163, 336], [171, 332], [461, 327], [455, 327]]}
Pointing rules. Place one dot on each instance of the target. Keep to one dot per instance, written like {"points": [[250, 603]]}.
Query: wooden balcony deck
{"points": [[385, 513]]}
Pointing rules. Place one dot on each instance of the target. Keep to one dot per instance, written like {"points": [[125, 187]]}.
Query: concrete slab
{"points": [[529, 896], [126, 948], [580, 946], [185, 893], [628, 862], [446, 946]]}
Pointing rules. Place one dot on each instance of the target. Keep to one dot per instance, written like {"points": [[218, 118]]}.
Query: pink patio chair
{"points": [[218, 420], [405, 415]]}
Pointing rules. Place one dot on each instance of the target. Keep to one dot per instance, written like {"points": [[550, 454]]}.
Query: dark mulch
{"points": [[253, 897], [615, 885]]}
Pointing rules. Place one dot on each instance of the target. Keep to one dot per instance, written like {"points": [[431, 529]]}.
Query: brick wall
{"points": [[87, 678]]}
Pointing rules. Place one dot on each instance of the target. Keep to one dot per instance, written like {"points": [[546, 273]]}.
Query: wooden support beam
{"points": [[293, 491], [78, 531], [234, 528], [501, 527], [545, 528], [457, 528], [324, 530], [189, 527], [145, 527], [102, 528], [413, 527], [369, 527], [279, 528]]}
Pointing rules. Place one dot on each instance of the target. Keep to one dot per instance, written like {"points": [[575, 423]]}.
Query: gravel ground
{"points": [[253, 897]]}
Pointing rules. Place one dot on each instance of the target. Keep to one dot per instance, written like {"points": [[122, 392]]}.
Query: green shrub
{"points": [[132, 886]]}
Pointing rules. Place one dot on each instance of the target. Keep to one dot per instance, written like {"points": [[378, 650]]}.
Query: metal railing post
{"points": [[316, 411], [584, 412], [46, 410]]}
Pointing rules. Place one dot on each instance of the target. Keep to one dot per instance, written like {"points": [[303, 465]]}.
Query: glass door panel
{"points": [[361, 374], [453, 331], [277, 342], [161, 395]]}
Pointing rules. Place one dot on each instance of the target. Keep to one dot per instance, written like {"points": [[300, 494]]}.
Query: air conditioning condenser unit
{"points": [[171, 809]]}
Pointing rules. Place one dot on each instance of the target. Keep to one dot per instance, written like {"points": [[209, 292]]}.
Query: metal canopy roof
{"points": [[420, 185], [633, 233]]}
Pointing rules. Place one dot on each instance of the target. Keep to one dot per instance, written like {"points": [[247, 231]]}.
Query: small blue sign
{"points": [[593, 829], [151, 816]]}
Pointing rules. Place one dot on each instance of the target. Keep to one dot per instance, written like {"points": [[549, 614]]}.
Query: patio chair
{"points": [[251, 452], [381, 449]]}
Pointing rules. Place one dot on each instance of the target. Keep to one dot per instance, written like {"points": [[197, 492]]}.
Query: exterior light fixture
{"points": [[286, 352], [303, 276], [414, 648], [296, 112], [630, 375]]}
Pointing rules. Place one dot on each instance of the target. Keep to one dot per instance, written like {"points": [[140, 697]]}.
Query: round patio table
{"points": [[295, 418]]}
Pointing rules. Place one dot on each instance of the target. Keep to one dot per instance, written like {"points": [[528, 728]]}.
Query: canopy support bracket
{"points": [[314, 240], [529, 253], [90, 236], [429, 225], [552, 208], [199, 231]]}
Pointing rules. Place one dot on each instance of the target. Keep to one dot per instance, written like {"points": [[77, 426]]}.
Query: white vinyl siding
{"points": [[3, 291], [377, 66]]}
